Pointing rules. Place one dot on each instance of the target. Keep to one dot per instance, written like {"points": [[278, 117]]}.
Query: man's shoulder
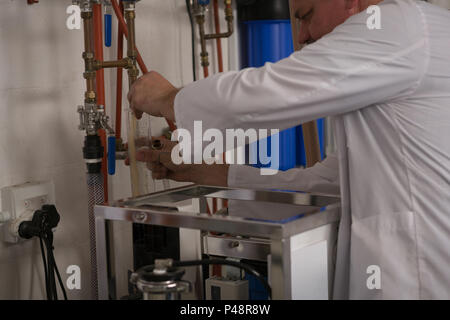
{"points": [[398, 20], [392, 12]]}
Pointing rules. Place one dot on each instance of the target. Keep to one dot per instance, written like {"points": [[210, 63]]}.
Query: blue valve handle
{"points": [[111, 155], [108, 29], [203, 2]]}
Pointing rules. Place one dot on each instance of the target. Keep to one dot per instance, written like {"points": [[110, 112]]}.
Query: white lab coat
{"points": [[388, 92]]}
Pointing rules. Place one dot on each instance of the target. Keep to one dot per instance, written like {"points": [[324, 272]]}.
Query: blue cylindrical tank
{"points": [[266, 36]]}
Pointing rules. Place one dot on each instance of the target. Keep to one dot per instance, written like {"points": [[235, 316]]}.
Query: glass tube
{"points": [[137, 139]]}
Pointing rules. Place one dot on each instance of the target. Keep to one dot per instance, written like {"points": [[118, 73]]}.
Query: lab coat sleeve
{"points": [[321, 178], [348, 69]]}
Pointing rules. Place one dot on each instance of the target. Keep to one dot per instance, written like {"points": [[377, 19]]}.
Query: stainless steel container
{"points": [[160, 281]]}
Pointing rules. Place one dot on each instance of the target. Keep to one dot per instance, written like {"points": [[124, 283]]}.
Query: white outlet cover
{"points": [[18, 200]]}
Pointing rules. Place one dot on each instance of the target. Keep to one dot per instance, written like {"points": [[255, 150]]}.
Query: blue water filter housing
{"points": [[265, 41]]}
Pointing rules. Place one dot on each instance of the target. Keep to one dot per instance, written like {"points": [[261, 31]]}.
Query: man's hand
{"points": [[162, 167], [154, 95]]}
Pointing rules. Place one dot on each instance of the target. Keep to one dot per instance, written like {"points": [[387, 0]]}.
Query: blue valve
{"points": [[108, 31], [111, 155], [203, 2], [108, 23]]}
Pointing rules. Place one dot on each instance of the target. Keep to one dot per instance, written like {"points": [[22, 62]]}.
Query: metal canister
{"points": [[160, 281]]}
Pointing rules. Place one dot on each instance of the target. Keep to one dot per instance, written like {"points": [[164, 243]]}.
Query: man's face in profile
{"points": [[319, 17]]}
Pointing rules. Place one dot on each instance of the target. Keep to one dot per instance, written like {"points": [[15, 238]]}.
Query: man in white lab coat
{"points": [[388, 93]]}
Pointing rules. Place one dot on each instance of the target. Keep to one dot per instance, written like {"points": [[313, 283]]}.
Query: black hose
{"points": [[240, 265], [51, 269], [59, 278], [45, 269], [191, 19]]}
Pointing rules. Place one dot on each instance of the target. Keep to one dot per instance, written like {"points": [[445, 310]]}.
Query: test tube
{"points": [[138, 130]]}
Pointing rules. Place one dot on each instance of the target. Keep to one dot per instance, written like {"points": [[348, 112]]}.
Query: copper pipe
{"points": [[139, 59], [133, 72], [205, 72], [200, 19], [98, 44], [221, 35], [87, 24], [204, 53], [229, 17], [130, 17], [123, 63], [124, 27], [88, 56], [218, 40], [100, 81]]}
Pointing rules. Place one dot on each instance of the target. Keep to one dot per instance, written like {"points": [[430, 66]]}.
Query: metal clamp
{"points": [[93, 118]]}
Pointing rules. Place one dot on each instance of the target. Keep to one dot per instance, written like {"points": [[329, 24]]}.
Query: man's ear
{"points": [[353, 6]]}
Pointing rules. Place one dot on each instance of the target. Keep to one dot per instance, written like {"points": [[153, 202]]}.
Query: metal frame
{"points": [[150, 209]]}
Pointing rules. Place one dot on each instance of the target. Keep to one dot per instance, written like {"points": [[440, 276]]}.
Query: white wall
{"points": [[41, 85]]}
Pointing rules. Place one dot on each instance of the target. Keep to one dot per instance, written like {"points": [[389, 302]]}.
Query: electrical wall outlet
{"points": [[20, 202]]}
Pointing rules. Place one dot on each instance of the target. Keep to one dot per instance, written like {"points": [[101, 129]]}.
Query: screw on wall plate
{"points": [[234, 244], [140, 216], [27, 204]]}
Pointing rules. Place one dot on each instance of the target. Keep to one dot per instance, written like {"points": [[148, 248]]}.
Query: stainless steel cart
{"points": [[299, 251]]}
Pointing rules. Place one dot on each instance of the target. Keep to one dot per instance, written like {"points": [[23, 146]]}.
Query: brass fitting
{"points": [[125, 63], [200, 19], [97, 65], [88, 55], [89, 64], [129, 63], [133, 72], [132, 54], [90, 95], [86, 14], [89, 75], [204, 59], [228, 11], [130, 14]]}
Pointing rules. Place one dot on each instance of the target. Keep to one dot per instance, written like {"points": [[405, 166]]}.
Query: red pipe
{"points": [[218, 40], [119, 79], [100, 81], [205, 72], [139, 59]]}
